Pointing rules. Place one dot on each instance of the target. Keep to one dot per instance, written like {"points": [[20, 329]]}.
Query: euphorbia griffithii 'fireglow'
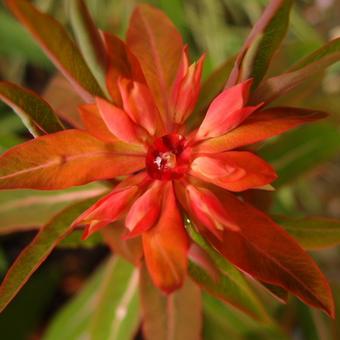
{"points": [[169, 171]]}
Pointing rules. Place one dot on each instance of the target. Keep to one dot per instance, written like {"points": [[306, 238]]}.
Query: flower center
{"points": [[166, 159]]}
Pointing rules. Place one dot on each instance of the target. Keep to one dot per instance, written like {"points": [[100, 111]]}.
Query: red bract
{"points": [[170, 172]]}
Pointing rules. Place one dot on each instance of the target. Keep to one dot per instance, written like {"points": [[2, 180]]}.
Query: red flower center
{"points": [[166, 159]]}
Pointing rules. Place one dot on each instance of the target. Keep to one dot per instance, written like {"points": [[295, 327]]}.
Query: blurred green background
{"points": [[308, 159]]}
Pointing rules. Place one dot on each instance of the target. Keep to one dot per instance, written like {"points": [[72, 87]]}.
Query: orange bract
{"points": [[140, 133]]}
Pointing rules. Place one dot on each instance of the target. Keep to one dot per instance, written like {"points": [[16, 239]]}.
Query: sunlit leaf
{"points": [[260, 126], [116, 313], [59, 47], [263, 41], [316, 62], [158, 50], [66, 159]]}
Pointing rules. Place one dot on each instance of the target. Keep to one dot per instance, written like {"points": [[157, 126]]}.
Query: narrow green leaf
{"points": [[316, 62], [233, 325], [171, 317], [312, 232], [16, 322], [38, 207], [37, 251], [263, 41], [231, 286], [301, 150], [17, 43], [53, 38], [331, 48], [73, 320], [36, 114], [75, 241], [116, 314], [89, 40]]}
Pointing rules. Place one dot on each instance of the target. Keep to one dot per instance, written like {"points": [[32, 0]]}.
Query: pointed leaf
{"points": [[312, 232], [234, 170], [166, 245], [301, 151], [121, 63], [158, 46], [266, 252], [65, 159], [264, 39], [211, 87], [172, 317], [261, 126], [316, 62], [30, 259], [36, 114], [225, 320], [74, 318], [116, 313], [58, 46], [230, 286], [38, 207], [89, 40]]}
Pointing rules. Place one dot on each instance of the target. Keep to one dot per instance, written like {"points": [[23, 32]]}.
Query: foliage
{"points": [[119, 296]]}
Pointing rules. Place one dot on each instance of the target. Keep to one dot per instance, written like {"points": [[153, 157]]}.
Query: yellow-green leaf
{"points": [[263, 41], [312, 232], [36, 114], [89, 40]]}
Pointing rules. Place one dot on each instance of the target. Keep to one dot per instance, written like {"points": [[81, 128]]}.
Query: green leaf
{"points": [[116, 314], [38, 207], [301, 150], [73, 320], [53, 38], [36, 114], [16, 322], [89, 40], [75, 241], [171, 317], [233, 325], [264, 39], [231, 286], [37, 251], [17, 43], [106, 308], [312, 232], [316, 62]]}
